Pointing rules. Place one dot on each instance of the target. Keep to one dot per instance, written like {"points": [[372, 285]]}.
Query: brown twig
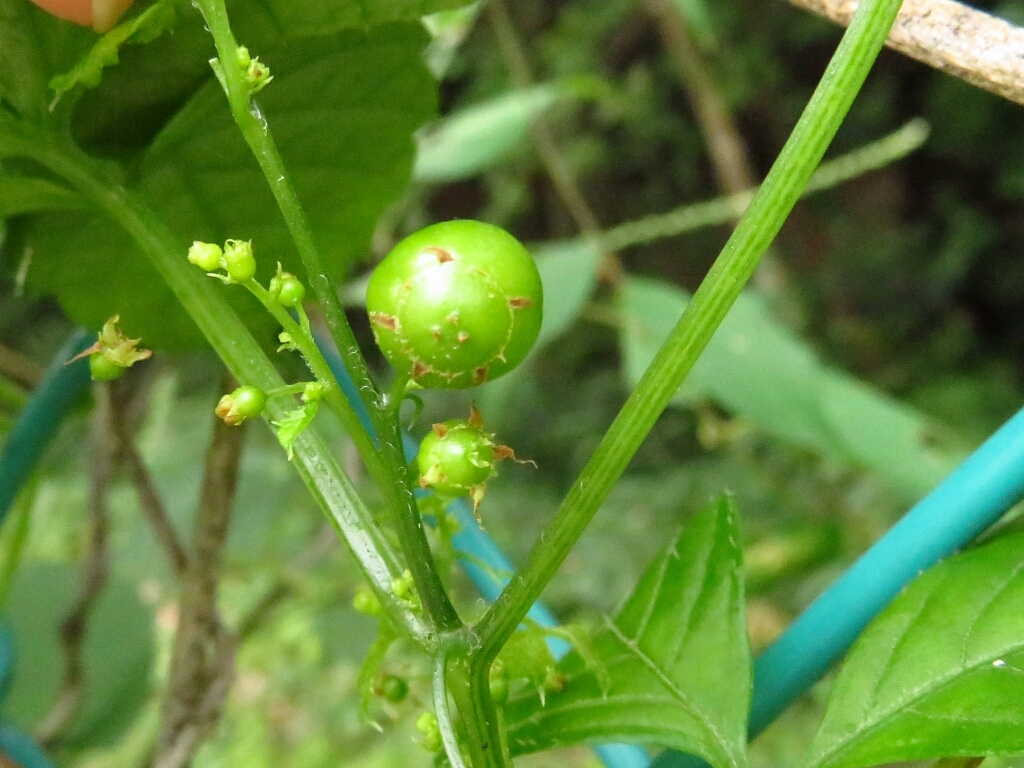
{"points": [[729, 156], [152, 506], [558, 169], [202, 659], [730, 159], [97, 569], [21, 369], [951, 37]]}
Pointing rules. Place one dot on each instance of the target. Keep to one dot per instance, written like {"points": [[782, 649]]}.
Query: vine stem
{"points": [[257, 135], [710, 304], [236, 347], [392, 475]]}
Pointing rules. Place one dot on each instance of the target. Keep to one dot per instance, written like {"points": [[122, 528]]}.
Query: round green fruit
{"points": [[455, 458], [456, 304], [102, 368], [394, 689]]}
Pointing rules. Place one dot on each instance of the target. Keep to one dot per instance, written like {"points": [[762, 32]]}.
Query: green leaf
{"points": [[568, 271], [25, 194], [320, 17], [475, 138], [343, 110], [676, 656], [762, 372], [33, 47], [143, 28], [290, 426], [939, 672], [117, 655]]}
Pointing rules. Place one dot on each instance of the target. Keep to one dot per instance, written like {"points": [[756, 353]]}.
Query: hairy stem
{"points": [[257, 135], [709, 306], [393, 476], [388, 468], [231, 340]]}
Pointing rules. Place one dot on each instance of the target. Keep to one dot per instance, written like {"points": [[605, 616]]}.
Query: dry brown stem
{"points": [[202, 660], [97, 568], [951, 37]]}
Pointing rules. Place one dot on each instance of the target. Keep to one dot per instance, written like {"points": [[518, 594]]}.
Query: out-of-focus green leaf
{"points": [[698, 19], [117, 656], [145, 27], [475, 138], [762, 372], [24, 194], [343, 110], [568, 271], [322, 17], [938, 673], [676, 656]]}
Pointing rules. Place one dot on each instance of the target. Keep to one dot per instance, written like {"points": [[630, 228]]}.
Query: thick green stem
{"points": [[393, 476], [387, 467], [234, 344], [257, 135], [705, 312]]}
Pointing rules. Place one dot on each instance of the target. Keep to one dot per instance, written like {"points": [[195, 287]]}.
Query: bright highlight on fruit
{"points": [[456, 304]]}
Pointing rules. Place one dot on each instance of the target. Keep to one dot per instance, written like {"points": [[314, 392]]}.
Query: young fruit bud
{"points": [[427, 725], [393, 688], [206, 256], [366, 602], [112, 353], [287, 289], [242, 404], [239, 261], [456, 304], [102, 368], [457, 458]]}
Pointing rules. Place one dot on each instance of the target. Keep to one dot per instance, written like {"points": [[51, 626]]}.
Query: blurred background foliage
{"points": [[901, 291]]}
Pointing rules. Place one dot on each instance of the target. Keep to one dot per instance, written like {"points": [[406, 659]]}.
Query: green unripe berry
{"points": [[288, 289], [394, 689], [242, 404], [427, 725], [239, 261], [455, 457], [206, 256], [456, 304], [366, 602], [102, 368]]}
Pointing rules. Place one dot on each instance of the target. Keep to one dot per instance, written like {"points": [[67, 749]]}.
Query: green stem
{"points": [[257, 135], [387, 467], [442, 711], [393, 477], [705, 312], [231, 340]]}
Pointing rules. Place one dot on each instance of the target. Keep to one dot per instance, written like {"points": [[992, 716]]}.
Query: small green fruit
{"points": [[288, 289], [456, 304], [206, 256], [102, 368], [242, 404], [239, 261], [394, 689], [366, 602]]}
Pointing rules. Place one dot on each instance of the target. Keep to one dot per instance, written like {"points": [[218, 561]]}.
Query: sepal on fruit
{"points": [[112, 353], [457, 458], [241, 405]]}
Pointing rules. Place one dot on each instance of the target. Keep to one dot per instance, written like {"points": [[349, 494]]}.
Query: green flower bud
{"points": [[206, 256], [242, 404], [239, 261]]}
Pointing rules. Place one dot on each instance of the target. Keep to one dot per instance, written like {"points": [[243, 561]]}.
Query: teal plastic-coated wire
{"points": [[6, 660], [486, 565], [38, 422], [973, 497], [21, 749]]}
